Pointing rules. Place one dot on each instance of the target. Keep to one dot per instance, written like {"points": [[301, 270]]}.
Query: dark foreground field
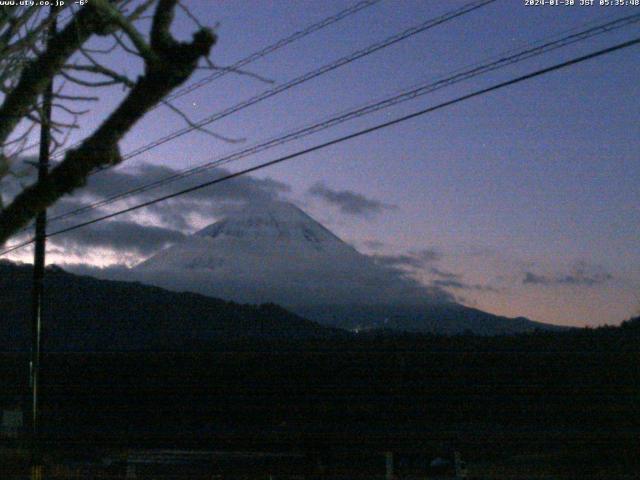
{"points": [[561, 402]]}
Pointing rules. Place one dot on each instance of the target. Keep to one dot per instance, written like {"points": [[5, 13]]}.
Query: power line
{"points": [[428, 24], [283, 42], [469, 7], [273, 47], [351, 136], [450, 15], [308, 76], [420, 90]]}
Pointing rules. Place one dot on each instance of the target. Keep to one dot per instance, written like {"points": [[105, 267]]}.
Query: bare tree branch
{"points": [[199, 128], [38, 73], [171, 63]]}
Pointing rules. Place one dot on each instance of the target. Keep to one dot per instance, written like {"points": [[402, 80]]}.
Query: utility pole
{"points": [[38, 271]]}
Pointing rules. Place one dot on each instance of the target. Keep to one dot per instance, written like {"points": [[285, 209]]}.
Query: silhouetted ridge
{"points": [[87, 314]]}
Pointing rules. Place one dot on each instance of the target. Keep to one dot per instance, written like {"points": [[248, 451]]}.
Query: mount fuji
{"points": [[275, 253]]}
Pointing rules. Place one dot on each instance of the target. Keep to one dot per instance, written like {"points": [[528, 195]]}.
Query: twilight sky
{"points": [[522, 202]]}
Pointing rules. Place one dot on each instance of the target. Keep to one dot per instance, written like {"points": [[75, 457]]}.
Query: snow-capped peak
{"points": [[276, 253], [271, 221], [269, 236]]}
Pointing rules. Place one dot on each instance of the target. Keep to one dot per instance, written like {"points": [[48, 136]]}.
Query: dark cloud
{"points": [[358, 283], [373, 244], [114, 181], [460, 285], [443, 274], [589, 281], [449, 284], [111, 182], [349, 202], [175, 213], [454, 281], [21, 173], [412, 259], [348, 278], [142, 233], [581, 275], [170, 219], [121, 236], [403, 260], [533, 279]]}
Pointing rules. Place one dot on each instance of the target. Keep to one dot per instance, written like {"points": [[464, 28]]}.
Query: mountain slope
{"points": [[274, 252], [441, 318], [87, 314]]}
